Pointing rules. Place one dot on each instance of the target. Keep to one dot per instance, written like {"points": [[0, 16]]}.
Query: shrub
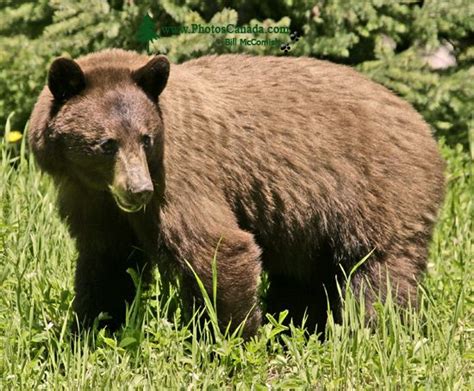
{"points": [[420, 49]]}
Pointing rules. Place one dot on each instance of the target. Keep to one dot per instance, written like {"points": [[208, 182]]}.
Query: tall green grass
{"points": [[431, 348]]}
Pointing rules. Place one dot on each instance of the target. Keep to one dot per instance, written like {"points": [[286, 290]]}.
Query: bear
{"points": [[294, 166]]}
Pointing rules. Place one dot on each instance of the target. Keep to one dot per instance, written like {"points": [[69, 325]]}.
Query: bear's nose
{"points": [[142, 193]]}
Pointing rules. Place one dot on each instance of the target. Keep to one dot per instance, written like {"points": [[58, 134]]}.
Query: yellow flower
{"points": [[14, 136]]}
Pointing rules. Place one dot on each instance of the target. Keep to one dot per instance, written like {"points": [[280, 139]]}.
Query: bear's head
{"points": [[101, 125]]}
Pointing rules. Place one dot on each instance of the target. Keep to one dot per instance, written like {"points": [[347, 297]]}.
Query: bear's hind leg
{"points": [[396, 275]]}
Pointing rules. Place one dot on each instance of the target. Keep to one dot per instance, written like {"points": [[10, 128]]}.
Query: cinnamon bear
{"points": [[294, 166]]}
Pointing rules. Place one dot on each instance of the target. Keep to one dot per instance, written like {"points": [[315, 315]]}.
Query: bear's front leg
{"points": [[194, 240], [107, 247], [102, 285], [238, 277]]}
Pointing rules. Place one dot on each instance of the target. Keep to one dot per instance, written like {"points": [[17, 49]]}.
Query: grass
{"points": [[431, 349]]}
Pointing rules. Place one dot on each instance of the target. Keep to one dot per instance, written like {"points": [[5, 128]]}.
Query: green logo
{"points": [[147, 31]]}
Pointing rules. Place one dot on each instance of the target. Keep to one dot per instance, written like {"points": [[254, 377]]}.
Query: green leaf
{"points": [[127, 341]]}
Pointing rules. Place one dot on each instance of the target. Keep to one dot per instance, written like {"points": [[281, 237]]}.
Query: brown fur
{"points": [[299, 166]]}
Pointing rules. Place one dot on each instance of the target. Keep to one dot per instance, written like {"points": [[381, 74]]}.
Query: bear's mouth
{"points": [[126, 207], [123, 204]]}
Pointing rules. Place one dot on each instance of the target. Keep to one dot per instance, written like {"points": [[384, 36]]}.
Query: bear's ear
{"points": [[152, 77], [65, 79]]}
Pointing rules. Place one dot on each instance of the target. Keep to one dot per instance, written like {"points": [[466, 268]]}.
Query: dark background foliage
{"points": [[422, 50]]}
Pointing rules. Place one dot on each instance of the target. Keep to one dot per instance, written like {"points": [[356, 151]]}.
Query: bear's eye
{"points": [[109, 146], [146, 140]]}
